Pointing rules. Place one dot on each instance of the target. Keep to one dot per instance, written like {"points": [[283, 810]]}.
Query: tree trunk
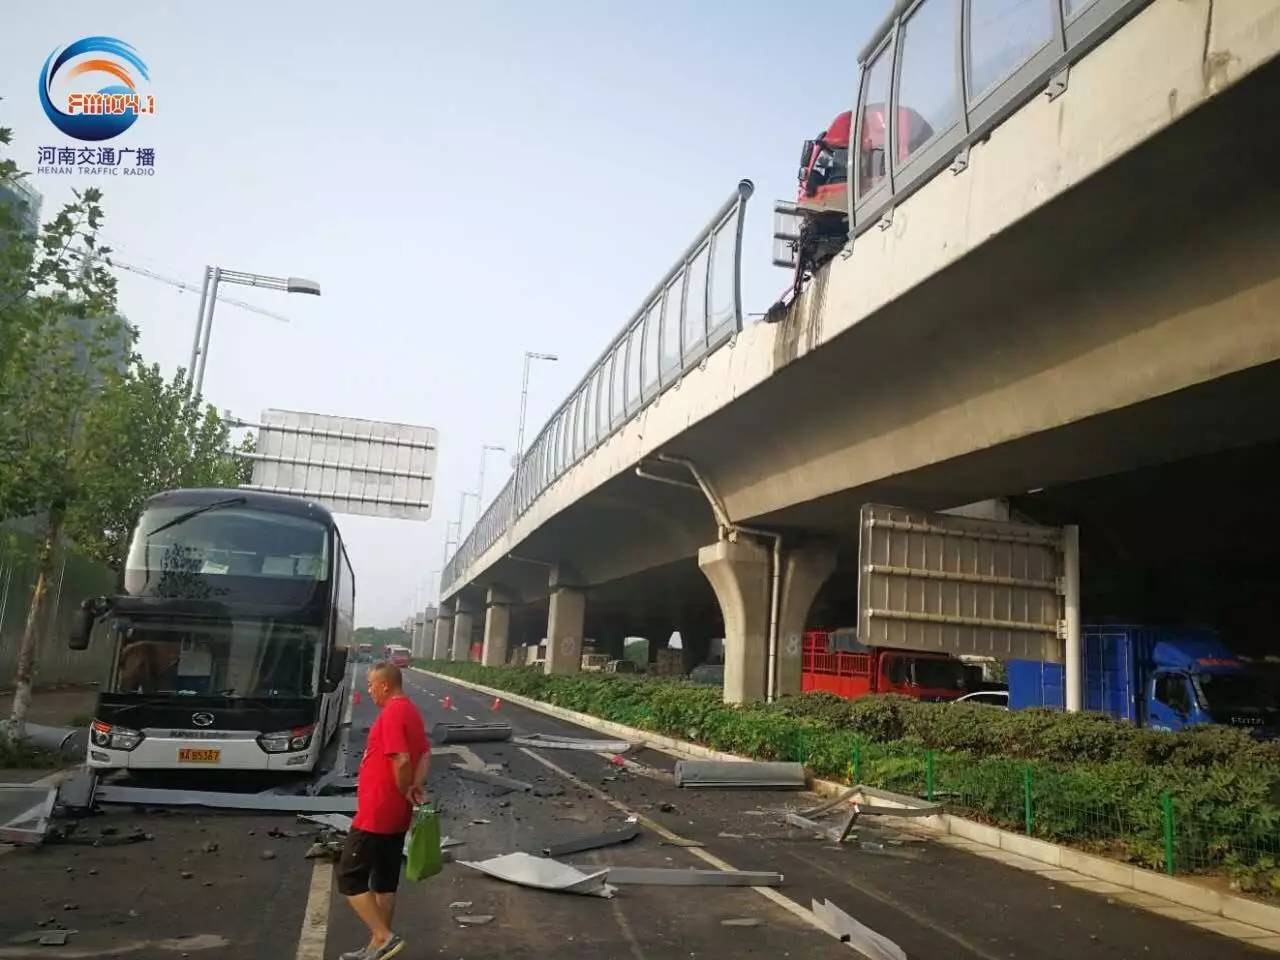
{"points": [[30, 632]]}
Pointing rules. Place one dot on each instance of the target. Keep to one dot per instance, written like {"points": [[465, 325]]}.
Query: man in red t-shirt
{"points": [[390, 782]]}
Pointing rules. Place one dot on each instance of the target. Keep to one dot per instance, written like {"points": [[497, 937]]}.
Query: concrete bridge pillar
{"points": [[497, 627], [739, 575], [443, 631], [804, 571], [463, 625], [565, 619]]}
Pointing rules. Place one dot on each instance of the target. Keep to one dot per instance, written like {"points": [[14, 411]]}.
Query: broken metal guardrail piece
{"points": [[675, 877], [155, 797], [740, 774], [77, 792], [530, 871], [493, 779], [607, 839], [26, 809], [548, 741], [334, 821], [859, 936], [470, 732]]}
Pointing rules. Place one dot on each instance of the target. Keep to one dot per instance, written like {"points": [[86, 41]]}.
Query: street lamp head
{"points": [[540, 356], [302, 285]]}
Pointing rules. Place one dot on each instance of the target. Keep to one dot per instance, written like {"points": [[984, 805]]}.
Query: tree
{"points": [[57, 324], [86, 434], [143, 435]]}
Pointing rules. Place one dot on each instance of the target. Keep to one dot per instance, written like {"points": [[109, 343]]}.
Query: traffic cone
{"points": [[355, 697], [497, 704], [447, 702]]}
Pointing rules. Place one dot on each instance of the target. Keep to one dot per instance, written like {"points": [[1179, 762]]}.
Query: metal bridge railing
{"points": [[690, 313]]}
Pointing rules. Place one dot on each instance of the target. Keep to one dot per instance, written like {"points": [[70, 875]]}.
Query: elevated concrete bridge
{"points": [[1091, 289]]}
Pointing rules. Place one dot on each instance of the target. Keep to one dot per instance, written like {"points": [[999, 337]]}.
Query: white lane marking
{"points": [[471, 718], [770, 894], [315, 921]]}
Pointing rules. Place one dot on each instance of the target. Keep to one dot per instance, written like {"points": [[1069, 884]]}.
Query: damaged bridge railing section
{"points": [[695, 309]]}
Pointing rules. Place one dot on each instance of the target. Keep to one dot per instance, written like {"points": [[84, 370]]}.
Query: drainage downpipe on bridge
{"points": [[727, 528]]}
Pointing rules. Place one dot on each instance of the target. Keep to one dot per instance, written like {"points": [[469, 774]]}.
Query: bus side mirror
{"points": [[337, 668], [82, 623], [81, 627]]}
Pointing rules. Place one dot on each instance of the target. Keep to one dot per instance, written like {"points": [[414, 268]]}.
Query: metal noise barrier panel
{"points": [[745, 775], [470, 732]]}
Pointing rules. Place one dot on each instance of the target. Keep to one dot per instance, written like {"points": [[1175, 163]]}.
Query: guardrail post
{"points": [[1166, 809], [1028, 811], [928, 775]]}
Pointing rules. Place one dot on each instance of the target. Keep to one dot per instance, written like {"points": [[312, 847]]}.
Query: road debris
{"points": [[473, 920], [325, 850], [55, 938], [595, 842], [274, 802], [25, 811], [543, 873], [267, 855], [546, 741], [492, 779], [740, 774], [676, 877], [334, 821], [860, 937], [740, 922], [470, 732], [461, 905], [209, 847]]}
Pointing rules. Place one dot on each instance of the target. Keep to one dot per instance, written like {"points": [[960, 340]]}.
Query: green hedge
{"points": [[1090, 780]]}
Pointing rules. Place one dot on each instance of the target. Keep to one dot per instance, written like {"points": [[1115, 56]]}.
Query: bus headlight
{"points": [[117, 738], [287, 741]]}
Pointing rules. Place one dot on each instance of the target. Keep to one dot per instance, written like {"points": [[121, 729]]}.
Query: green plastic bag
{"points": [[423, 856]]}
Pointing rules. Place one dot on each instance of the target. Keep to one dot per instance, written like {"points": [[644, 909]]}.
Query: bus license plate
{"points": [[189, 755]]}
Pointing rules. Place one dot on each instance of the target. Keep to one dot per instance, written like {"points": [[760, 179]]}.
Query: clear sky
{"points": [[466, 182]]}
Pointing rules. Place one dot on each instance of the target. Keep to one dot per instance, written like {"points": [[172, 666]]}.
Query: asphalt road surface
{"points": [[215, 885]]}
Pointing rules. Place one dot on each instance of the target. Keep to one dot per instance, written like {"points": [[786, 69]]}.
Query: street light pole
{"points": [[462, 505], [209, 295], [195, 340], [524, 402], [486, 449]]}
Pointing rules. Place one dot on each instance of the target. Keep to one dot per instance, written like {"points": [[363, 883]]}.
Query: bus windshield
{"points": [[227, 551], [236, 658]]}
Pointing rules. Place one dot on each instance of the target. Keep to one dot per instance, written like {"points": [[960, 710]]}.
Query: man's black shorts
{"points": [[370, 862]]}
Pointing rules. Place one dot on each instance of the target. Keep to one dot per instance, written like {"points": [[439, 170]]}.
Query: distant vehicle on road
{"points": [[229, 635], [594, 662], [1153, 677], [837, 662], [398, 655], [364, 653], [988, 698]]}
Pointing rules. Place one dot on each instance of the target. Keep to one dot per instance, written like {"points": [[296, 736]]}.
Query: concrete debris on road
{"points": [[547, 741], [325, 850], [743, 774], [860, 937], [595, 842], [470, 732], [270, 802], [675, 877], [545, 874], [461, 905]]}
